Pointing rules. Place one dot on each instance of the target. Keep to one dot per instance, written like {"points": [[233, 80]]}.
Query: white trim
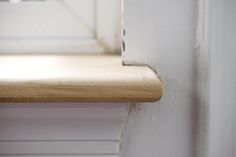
{"points": [[203, 78], [51, 46], [107, 37], [64, 130], [109, 24], [216, 79]]}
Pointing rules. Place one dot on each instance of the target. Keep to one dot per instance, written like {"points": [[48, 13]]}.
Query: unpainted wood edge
{"points": [[49, 94], [147, 91], [92, 98]]}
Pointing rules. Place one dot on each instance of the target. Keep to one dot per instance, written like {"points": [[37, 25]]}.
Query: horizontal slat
{"points": [[75, 78], [77, 110], [62, 122], [61, 155], [76, 147]]}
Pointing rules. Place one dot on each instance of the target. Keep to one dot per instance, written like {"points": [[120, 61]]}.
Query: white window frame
{"points": [[105, 41]]}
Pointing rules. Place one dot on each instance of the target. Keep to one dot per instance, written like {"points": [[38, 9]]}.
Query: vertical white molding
{"points": [[202, 78], [222, 98], [216, 83]]}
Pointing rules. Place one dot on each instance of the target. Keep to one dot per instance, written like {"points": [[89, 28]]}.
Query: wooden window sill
{"points": [[75, 78]]}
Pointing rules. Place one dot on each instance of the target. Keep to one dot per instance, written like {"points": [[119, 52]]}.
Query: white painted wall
{"points": [[196, 116], [162, 34]]}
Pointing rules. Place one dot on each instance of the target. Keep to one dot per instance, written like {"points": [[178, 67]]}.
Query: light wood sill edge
{"points": [[75, 78]]}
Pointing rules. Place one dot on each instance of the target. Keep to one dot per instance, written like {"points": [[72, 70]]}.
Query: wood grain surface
{"points": [[75, 78]]}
